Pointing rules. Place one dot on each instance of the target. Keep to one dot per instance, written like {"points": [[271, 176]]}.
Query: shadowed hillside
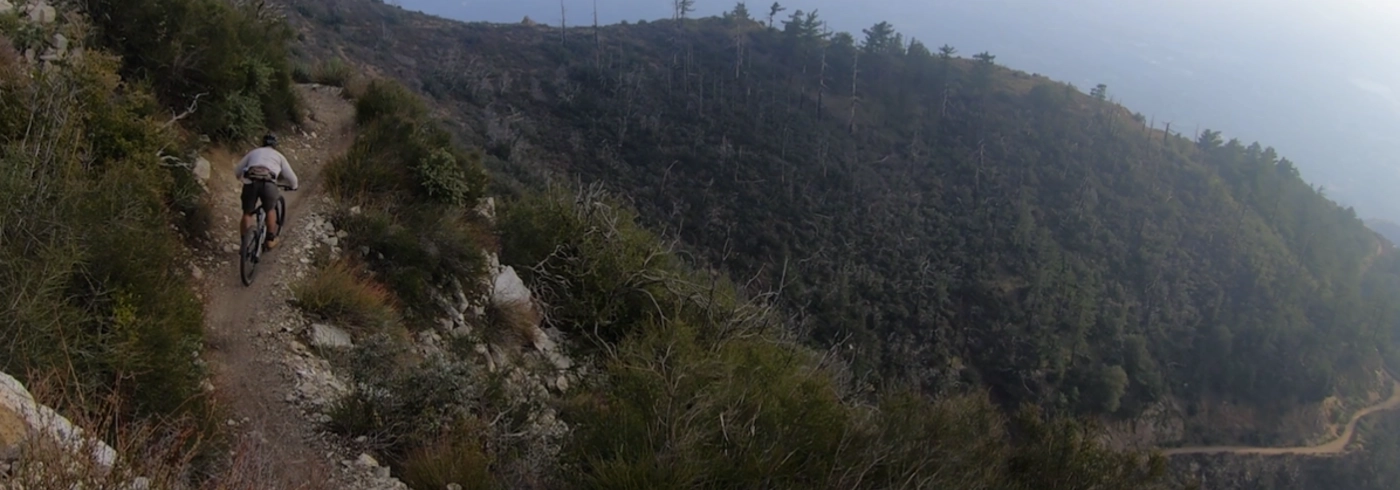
{"points": [[943, 220]]}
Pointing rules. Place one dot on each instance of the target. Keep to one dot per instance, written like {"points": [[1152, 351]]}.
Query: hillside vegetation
{"points": [[896, 269], [698, 385], [942, 220], [97, 158], [98, 140]]}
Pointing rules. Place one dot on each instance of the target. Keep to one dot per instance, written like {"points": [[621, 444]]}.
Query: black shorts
{"points": [[259, 190]]}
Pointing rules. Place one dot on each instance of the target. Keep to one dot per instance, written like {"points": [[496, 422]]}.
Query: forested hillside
{"points": [[940, 219]]}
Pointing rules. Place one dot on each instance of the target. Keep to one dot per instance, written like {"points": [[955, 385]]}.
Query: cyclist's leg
{"points": [[268, 195], [249, 200]]}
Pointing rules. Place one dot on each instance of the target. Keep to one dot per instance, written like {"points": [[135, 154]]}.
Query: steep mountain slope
{"points": [[943, 220], [1388, 229]]}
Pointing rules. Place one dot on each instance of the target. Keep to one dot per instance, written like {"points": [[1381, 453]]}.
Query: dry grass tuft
{"points": [[458, 456], [343, 292], [176, 453], [8, 56], [512, 323], [334, 72]]}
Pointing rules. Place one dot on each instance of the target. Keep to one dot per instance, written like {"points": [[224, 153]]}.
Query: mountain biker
{"points": [[259, 171]]}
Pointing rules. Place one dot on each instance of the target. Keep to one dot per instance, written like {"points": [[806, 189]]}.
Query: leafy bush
{"points": [[91, 272], [414, 186], [334, 71], [398, 402], [341, 292], [229, 57]]}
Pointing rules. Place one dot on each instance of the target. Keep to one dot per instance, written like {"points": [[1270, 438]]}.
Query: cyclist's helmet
{"points": [[270, 140]]}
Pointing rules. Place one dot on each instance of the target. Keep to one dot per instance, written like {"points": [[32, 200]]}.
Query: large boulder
{"points": [[23, 420]]}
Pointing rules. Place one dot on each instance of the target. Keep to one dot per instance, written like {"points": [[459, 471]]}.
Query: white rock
{"points": [[21, 417], [454, 486], [6, 7], [41, 12], [493, 262], [322, 335], [367, 461], [560, 361], [543, 342], [202, 168], [487, 208], [196, 273], [231, 247], [562, 383], [355, 211], [330, 241], [509, 288]]}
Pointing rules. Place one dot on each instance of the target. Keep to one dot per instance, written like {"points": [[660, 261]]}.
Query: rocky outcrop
{"points": [[24, 424]]}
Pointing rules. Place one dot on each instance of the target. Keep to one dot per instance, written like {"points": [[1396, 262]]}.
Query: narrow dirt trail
{"points": [[1336, 446], [250, 378]]}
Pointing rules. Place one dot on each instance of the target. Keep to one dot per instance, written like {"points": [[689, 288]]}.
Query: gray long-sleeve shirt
{"points": [[270, 159]]}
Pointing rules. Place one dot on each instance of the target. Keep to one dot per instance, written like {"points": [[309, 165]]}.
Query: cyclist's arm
{"points": [[289, 174], [242, 167]]}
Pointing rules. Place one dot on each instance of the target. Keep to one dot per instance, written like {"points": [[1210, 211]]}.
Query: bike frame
{"points": [[250, 252]]}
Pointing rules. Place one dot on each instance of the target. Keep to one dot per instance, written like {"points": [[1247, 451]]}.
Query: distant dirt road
{"points": [[1336, 446]]}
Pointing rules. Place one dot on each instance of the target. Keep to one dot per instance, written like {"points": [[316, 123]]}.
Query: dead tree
{"points": [[855, 99], [821, 83], [597, 43]]}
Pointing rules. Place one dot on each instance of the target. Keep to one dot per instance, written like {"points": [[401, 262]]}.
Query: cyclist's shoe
{"points": [[270, 244]]}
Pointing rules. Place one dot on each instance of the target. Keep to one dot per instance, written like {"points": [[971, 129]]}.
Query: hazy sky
{"points": [[1315, 79]]}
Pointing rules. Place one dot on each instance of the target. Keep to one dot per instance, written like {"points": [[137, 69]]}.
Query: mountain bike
{"points": [[252, 248]]}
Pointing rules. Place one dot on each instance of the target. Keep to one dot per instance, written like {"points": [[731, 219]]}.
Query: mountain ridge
{"points": [[658, 94]]}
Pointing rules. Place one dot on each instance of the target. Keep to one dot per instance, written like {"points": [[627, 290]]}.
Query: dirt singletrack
{"points": [[1335, 446], [249, 379]]}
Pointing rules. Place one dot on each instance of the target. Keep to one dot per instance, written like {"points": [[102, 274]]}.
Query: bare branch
{"points": [[194, 106]]}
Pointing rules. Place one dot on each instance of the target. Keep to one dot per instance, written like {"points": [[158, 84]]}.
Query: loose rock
{"points": [[327, 336]]}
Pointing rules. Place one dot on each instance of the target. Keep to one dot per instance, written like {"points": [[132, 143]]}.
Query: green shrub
{"points": [[230, 57], [93, 276], [335, 72], [415, 187], [400, 402], [384, 99], [417, 249], [607, 275], [340, 292], [301, 73]]}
